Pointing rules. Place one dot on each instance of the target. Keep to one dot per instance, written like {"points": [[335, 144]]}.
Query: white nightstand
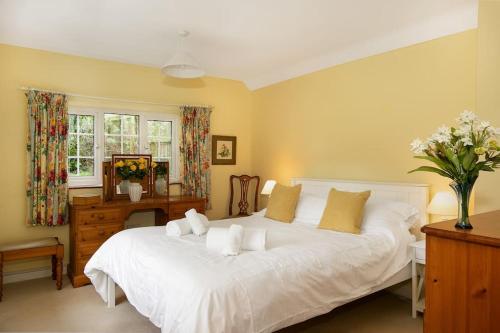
{"points": [[417, 277]]}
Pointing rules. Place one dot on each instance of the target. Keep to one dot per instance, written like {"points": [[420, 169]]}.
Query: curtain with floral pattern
{"points": [[47, 190], [195, 152]]}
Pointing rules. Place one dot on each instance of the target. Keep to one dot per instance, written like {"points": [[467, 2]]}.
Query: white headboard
{"points": [[413, 194]]}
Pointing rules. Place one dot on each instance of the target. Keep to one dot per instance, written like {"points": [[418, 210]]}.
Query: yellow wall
{"points": [[27, 67], [356, 120], [352, 121], [488, 91]]}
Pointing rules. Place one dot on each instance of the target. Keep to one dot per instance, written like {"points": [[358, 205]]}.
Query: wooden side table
{"points": [[417, 277]]}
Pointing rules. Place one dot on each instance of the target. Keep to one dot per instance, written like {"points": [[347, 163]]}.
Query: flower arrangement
{"points": [[161, 169], [137, 169], [460, 154]]}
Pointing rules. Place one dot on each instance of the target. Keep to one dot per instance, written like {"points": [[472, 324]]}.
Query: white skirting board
{"points": [[12, 277]]}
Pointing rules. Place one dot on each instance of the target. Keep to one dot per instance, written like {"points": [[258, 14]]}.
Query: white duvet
{"points": [[183, 287]]}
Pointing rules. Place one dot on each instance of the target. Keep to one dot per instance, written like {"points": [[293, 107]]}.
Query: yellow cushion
{"points": [[282, 202], [344, 211]]}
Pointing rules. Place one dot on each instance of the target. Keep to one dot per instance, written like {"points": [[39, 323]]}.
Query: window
{"points": [[122, 132], [160, 140]]}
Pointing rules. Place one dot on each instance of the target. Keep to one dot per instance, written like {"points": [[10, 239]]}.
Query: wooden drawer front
{"points": [[86, 250], [98, 232], [94, 216], [80, 266], [177, 210]]}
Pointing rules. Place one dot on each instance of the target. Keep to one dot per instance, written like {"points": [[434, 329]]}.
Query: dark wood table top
{"points": [[486, 229]]}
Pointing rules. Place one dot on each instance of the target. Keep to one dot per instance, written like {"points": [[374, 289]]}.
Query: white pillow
{"points": [[309, 209], [260, 212], [393, 212]]}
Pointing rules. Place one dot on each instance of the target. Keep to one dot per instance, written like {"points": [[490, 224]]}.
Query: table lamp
{"points": [[268, 187], [444, 205]]}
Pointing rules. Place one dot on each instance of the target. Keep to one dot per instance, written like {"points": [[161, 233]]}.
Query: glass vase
{"points": [[161, 185], [463, 191], [124, 184]]}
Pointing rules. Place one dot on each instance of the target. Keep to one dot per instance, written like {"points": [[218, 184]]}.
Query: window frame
{"points": [[96, 179], [144, 117]]}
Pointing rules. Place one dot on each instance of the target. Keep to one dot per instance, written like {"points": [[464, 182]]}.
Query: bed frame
{"points": [[413, 194]]}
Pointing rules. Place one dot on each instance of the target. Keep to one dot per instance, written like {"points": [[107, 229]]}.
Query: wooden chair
{"points": [[243, 204], [48, 246]]}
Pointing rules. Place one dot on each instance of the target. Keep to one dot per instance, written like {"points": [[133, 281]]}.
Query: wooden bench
{"points": [[48, 246]]}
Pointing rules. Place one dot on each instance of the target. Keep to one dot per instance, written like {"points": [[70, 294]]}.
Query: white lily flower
{"points": [[462, 131], [483, 125], [467, 117], [467, 141], [418, 146]]}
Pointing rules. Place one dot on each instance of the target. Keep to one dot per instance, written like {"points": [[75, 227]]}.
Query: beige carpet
{"points": [[36, 306]]}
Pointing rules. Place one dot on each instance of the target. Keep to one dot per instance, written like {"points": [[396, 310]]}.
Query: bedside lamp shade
{"points": [[268, 187], [444, 204]]}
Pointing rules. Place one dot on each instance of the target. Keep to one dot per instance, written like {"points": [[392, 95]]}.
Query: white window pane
{"points": [[159, 139], [130, 145], [72, 123], [112, 123], [73, 166], [81, 149], [86, 124], [72, 145], [130, 125], [112, 145], [86, 143], [121, 134], [86, 166]]}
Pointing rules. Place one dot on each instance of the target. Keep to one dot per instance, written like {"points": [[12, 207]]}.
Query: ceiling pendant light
{"points": [[182, 65]]}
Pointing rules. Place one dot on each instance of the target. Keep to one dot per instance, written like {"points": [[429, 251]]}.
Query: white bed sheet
{"points": [[183, 287]]}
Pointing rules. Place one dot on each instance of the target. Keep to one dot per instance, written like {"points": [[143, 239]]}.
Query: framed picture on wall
{"points": [[223, 150]]}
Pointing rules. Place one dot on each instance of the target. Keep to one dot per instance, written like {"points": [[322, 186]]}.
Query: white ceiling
{"points": [[259, 42]]}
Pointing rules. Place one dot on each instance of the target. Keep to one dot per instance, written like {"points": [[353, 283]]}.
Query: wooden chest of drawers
{"points": [[462, 276], [92, 225]]}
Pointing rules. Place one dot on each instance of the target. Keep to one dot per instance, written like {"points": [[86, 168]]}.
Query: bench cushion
{"points": [[40, 242]]}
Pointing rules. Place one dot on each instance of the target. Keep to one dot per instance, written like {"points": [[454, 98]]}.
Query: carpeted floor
{"points": [[36, 306]]}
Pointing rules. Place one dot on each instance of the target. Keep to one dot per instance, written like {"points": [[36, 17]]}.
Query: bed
{"points": [[305, 272]]}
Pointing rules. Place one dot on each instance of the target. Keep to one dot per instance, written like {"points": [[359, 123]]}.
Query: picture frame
{"points": [[223, 150]]}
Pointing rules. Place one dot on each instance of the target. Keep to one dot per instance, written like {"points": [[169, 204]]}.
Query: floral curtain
{"points": [[47, 190], [195, 151]]}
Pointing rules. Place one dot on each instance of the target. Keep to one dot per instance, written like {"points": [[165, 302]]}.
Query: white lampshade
{"points": [[444, 204], [268, 187], [183, 66]]}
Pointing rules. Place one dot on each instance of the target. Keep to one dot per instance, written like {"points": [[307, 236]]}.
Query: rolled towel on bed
{"points": [[216, 238], [178, 228], [254, 239], [233, 240], [198, 222]]}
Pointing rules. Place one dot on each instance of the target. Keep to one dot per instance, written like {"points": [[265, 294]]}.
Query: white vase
{"points": [[160, 185], [135, 192]]}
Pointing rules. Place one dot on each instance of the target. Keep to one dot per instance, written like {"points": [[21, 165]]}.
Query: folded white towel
{"points": [[198, 222], [254, 239], [178, 228], [216, 238], [233, 240]]}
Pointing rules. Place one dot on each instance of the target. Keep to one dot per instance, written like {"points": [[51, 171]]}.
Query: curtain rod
{"points": [[102, 98]]}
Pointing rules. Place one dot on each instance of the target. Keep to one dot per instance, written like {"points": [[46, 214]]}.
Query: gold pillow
{"points": [[344, 211], [282, 202]]}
